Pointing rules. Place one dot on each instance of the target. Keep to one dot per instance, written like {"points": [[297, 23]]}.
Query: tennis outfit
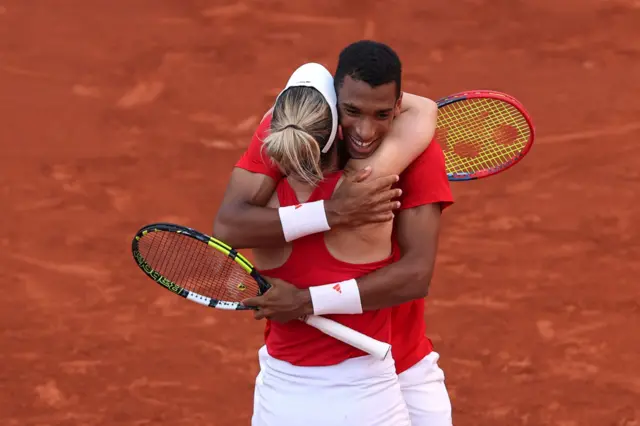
{"points": [[416, 363], [309, 378]]}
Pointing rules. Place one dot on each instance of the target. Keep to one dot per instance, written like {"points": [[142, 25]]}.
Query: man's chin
{"points": [[357, 155]]}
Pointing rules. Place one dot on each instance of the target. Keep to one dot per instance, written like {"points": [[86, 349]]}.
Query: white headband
{"points": [[316, 76]]}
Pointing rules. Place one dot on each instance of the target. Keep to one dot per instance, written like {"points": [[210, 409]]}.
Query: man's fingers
{"points": [[384, 182], [385, 207], [387, 195], [377, 218], [259, 314], [254, 301], [381, 217]]}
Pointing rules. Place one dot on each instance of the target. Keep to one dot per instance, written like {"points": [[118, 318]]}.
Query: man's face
{"points": [[366, 114]]}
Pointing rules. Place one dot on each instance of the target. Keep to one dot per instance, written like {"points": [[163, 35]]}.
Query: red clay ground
{"points": [[534, 306]]}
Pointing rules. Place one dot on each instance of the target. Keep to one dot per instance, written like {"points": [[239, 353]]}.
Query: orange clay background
{"points": [[114, 114]]}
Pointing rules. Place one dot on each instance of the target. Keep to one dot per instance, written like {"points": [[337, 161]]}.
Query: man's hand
{"points": [[356, 203], [283, 302]]}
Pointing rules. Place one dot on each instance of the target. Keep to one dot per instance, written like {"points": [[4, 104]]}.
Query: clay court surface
{"points": [[118, 114]]}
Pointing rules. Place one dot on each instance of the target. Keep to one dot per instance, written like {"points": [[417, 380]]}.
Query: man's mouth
{"points": [[360, 143], [360, 149], [360, 146]]}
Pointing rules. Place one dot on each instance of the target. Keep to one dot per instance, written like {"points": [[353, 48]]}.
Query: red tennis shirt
{"points": [[423, 182]]}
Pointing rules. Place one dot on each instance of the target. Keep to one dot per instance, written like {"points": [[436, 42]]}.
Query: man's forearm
{"points": [[405, 280], [249, 226], [390, 286], [244, 221]]}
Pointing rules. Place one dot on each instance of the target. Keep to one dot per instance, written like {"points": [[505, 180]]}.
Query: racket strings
{"points": [[481, 134], [196, 267]]}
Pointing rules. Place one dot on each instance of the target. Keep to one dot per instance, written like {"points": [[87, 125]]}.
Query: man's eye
{"points": [[383, 116]]}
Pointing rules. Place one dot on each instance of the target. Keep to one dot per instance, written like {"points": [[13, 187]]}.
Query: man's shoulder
{"points": [[253, 159], [431, 157], [263, 127], [425, 181]]}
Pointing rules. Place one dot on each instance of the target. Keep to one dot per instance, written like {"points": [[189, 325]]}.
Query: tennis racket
{"points": [[207, 271], [482, 133]]}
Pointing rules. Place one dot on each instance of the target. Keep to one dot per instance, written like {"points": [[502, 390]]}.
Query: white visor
{"points": [[316, 76]]}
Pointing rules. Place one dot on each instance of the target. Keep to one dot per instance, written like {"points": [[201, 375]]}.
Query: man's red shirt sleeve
{"points": [[425, 180]]}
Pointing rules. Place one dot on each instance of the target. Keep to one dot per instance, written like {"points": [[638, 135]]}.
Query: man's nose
{"points": [[365, 130]]}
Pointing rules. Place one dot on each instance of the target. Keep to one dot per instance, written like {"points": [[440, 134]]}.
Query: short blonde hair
{"points": [[300, 128]]}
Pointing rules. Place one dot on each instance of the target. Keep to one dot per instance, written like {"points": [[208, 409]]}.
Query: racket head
{"points": [[482, 133], [196, 266]]}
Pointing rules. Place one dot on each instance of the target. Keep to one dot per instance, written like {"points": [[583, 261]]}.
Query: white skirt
{"points": [[358, 391]]}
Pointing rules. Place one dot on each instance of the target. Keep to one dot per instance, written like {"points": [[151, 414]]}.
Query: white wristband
{"points": [[336, 298], [303, 219]]}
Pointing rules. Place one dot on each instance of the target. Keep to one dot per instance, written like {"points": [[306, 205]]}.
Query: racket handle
{"points": [[373, 347]]}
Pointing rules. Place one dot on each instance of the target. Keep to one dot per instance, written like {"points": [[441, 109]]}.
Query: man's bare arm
{"points": [[243, 221], [405, 280]]}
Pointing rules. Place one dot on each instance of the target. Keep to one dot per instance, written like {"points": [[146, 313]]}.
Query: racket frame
{"points": [[490, 94], [377, 349], [180, 291]]}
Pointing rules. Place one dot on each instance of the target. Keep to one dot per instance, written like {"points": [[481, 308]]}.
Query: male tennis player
{"points": [[365, 72]]}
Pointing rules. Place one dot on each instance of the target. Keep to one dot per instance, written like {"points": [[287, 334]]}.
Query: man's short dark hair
{"points": [[371, 62]]}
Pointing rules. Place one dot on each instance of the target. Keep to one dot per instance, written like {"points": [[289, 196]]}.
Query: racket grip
{"points": [[373, 347]]}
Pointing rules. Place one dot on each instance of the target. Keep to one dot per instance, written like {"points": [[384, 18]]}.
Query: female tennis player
{"points": [[306, 377]]}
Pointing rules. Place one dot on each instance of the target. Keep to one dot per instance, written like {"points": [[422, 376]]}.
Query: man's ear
{"points": [[398, 106]]}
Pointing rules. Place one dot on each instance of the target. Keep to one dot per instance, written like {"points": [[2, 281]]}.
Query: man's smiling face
{"points": [[366, 114]]}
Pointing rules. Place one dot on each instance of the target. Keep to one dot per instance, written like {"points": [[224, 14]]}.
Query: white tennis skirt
{"points": [[357, 392]]}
